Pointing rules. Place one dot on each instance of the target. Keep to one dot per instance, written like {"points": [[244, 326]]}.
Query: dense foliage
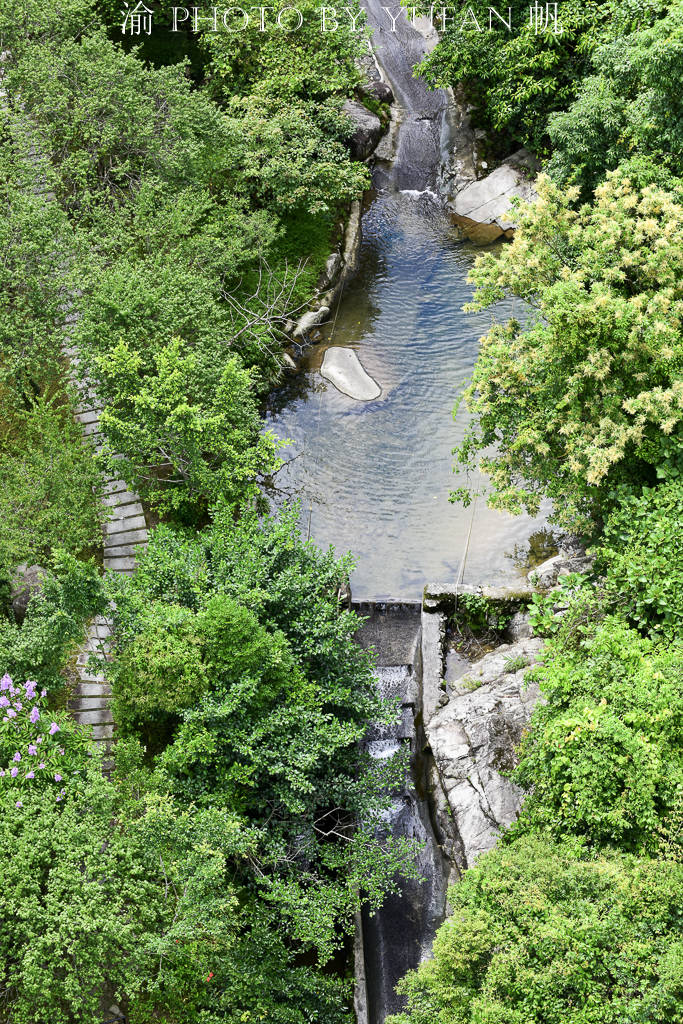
{"points": [[583, 399], [545, 932], [235, 665]]}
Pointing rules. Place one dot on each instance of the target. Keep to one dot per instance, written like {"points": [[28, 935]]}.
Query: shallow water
{"points": [[374, 477]]}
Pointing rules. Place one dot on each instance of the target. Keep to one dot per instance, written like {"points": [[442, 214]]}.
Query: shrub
{"points": [[541, 934], [642, 556], [50, 488], [55, 622], [583, 401], [603, 756]]}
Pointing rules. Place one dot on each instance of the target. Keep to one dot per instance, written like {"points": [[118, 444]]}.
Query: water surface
{"points": [[374, 477]]}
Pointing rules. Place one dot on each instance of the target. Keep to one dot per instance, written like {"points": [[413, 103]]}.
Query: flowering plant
{"points": [[39, 749]]}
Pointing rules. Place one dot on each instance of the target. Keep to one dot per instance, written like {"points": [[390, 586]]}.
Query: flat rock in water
{"points": [[343, 368]]}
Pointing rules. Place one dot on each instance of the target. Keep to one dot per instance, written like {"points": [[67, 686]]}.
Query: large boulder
{"points": [[488, 201], [367, 129], [378, 90], [343, 368], [26, 582], [473, 739]]}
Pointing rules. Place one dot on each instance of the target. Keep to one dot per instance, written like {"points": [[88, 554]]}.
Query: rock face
{"points": [[378, 90], [309, 320], [472, 740], [367, 129], [27, 581], [487, 201], [343, 368]]}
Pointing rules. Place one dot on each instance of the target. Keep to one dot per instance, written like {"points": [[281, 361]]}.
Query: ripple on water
{"points": [[374, 477]]}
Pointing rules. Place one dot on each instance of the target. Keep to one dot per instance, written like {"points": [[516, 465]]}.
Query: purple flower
{"points": [[17, 756], [39, 739], [61, 750], [30, 775], [58, 798], [5, 682], [58, 777], [32, 749], [30, 687], [2, 773], [34, 716], [62, 791], [18, 705], [14, 773], [4, 701], [42, 764], [19, 803], [11, 713], [43, 693], [54, 728]]}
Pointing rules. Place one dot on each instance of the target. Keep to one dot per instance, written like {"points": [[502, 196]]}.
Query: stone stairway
{"points": [[125, 532], [125, 529]]}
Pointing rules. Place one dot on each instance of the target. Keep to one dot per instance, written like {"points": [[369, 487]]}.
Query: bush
{"points": [[603, 758], [540, 934], [583, 401], [55, 622], [642, 556], [265, 697], [50, 488]]}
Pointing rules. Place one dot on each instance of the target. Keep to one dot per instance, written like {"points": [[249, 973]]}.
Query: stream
{"points": [[374, 477]]}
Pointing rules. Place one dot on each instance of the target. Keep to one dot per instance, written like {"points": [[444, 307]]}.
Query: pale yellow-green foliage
{"points": [[582, 396]]}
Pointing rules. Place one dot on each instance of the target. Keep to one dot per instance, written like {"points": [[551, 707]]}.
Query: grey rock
{"points": [[488, 201], [545, 575], [288, 362], [27, 581], [310, 320], [378, 90], [367, 129], [343, 368], [518, 628], [473, 740]]}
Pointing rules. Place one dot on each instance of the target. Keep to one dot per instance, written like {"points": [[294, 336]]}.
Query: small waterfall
{"points": [[399, 935]]}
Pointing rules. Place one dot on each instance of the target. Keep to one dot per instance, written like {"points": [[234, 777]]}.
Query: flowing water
{"points": [[374, 477]]}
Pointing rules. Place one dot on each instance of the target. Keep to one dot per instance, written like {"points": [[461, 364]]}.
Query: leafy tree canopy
{"points": [[584, 400]]}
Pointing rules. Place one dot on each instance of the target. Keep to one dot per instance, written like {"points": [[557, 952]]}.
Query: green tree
{"points": [[630, 106], [264, 719], [582, 400], [542, 934], [186, 436]]}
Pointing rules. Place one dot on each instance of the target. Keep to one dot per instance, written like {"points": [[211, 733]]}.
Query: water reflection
{"points": [[374, 477]]}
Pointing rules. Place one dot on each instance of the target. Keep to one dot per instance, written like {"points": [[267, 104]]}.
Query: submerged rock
{"points": [[343, 368]]}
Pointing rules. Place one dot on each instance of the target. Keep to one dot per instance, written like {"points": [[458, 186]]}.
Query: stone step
{"points": [[103, 732], [123, 498], [120, 550], [87, 689], [133, 524], [97, 717], [88, 416], [114, 484], [126, 564]]}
